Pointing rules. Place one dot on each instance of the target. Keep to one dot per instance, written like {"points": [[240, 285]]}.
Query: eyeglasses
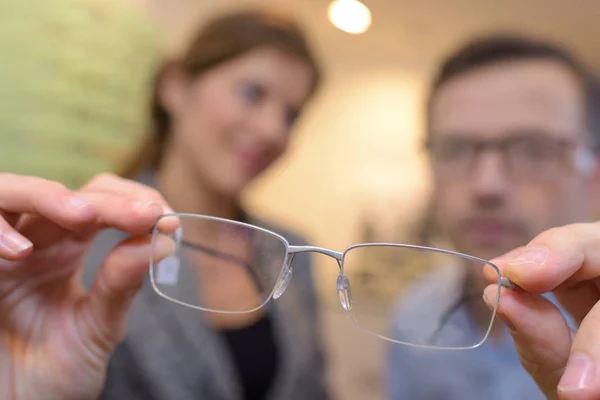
{"points": [[390, 290], [525, 156]]}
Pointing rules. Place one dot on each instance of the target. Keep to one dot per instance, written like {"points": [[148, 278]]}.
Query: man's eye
{"points": [[252, 93], [452, 150], [535, 150]]}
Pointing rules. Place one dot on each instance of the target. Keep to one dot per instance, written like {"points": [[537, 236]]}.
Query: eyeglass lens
{"points": [[220, 266], [418, 296]]}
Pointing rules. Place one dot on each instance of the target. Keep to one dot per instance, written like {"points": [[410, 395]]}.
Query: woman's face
{"points": [[232, 122]]}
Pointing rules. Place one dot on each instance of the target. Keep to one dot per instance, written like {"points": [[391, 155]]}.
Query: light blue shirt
{"points": [[491, 371]]}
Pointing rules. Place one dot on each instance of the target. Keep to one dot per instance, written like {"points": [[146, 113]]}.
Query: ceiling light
{"points": [[350, 16]]}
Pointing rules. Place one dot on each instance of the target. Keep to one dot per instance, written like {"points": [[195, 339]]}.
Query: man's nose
{"points": [[489, 176]]}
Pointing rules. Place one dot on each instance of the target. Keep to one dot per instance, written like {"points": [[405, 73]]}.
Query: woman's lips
{"points": [[254, 162]]}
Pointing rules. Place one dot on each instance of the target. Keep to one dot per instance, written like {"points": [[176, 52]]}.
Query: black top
{"points": [[254, 353]]}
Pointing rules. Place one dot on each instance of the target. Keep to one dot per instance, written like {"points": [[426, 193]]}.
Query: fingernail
{"points": [[534, 255], [14, 242], [162, 247], [508, 256], [578, 374], [77, 202]]}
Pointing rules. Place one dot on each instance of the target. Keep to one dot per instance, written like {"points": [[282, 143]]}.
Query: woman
{"points": [[222, 115]]}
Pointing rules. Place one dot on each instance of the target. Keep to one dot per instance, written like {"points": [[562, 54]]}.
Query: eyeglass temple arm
{"points": [[449, 313], [465, 297], [216, 253], [212, 252], [225, 256], [503, 282]]}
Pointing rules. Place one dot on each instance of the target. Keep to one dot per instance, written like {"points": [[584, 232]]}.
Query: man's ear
{"points": [[170, 88]]}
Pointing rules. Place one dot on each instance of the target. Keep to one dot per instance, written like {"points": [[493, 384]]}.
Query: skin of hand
{"points": [[55, 337], [565, 261]]}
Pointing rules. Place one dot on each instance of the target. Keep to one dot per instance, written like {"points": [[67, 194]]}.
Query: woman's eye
{"points": [[252, 93]]}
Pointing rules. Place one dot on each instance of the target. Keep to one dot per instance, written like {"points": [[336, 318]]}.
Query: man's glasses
{"points": [[398, 292], [528, 155]]}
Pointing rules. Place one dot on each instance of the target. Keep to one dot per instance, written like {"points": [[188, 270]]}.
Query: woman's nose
{"points": [[271, 125]]}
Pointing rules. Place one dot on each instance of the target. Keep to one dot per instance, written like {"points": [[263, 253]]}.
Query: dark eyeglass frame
{"points": [[584, 157]]}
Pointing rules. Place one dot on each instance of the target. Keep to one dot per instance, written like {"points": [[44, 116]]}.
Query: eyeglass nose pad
{"points": [[344, 292], [178, 236], [167, 272], [284, 279]]}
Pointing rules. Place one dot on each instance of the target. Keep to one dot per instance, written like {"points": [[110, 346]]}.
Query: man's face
{"points": [[507, 144]]}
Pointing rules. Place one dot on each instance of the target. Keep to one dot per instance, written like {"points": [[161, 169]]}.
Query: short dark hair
{"points": [[500, 48]]}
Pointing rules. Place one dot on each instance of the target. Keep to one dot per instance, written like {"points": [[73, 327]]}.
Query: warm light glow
{"points": [[350, 16]]}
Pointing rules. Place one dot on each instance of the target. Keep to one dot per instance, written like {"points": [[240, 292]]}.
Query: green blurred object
{"points": [[75, 83]]}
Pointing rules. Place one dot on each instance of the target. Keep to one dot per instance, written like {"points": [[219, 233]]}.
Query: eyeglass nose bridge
{"points": [[312, 249], [342, 283], [500, 147]]}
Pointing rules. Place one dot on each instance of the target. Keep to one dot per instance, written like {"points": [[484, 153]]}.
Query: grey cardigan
{"points": [[169, 353]]}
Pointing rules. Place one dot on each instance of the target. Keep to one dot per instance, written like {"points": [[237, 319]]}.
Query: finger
{"points": [[540, 333], [581, 379], [23, 194], [129, 215], [11, 218], [118, 280], [579, 299], [13, 245], [112, 211], [110, 183], [562, 257]]}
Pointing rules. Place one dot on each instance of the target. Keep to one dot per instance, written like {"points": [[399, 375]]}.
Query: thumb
{"points": [[540, 333], [119, 279]]}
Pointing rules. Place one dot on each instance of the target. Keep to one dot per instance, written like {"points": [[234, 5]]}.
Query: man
{"points": [[512, 135]]}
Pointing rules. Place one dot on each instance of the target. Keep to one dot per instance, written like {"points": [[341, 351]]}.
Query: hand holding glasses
{"points": [[229, 267]]}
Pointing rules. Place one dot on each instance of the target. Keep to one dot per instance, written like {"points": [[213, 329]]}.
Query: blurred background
{"points": [[355, 171]]}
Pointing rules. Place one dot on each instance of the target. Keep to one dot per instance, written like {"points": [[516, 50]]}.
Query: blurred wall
{"points": [[74, 96]]}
